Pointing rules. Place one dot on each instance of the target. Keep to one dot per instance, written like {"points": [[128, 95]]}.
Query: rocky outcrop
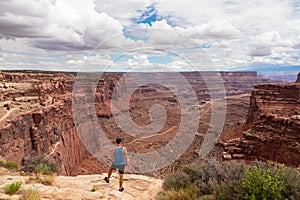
{"points": [[31, 84], [274, 121], [298, 78]]}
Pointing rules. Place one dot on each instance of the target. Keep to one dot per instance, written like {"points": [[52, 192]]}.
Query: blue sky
{"points": [[149, 35]]}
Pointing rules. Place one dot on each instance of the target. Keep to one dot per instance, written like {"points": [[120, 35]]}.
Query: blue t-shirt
{"points": [[119, 157]]}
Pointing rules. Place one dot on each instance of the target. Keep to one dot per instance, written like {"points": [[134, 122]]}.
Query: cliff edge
{"points": [[137, 187]]}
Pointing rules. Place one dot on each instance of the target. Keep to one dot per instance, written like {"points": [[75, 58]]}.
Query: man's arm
{"points": [[113, 155], [125, 154]]}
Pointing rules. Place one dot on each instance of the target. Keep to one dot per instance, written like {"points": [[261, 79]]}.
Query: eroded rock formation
{"points": [[298, 78], [274, 126], [40, 121], [37, 116]]}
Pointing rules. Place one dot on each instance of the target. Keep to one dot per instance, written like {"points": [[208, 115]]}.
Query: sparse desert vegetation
{"points": [[9, 164], [232, 180], [94, 188], [31, 194], [42, 178], [12, 188], [39, 164]]}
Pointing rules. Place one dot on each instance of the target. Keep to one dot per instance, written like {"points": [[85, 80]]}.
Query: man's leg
{"points": [[109, 174], [121, 173], [121, 181]]}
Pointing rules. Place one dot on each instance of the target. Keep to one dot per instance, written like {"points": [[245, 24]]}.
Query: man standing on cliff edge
{"points": [[120, 159]]}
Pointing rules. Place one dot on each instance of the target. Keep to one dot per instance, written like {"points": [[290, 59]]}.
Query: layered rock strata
{"points": [[37, 117], [274, 126]]}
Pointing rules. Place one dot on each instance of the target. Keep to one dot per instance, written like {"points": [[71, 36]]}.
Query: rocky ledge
{"points": [[137, 187]]}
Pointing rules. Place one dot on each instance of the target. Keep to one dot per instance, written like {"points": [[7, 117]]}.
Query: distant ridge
{"points": [[39, 71], [60, 71]]}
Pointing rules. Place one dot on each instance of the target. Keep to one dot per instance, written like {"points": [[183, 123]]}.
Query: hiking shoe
{"points": [[106, 180], [121, 189]]}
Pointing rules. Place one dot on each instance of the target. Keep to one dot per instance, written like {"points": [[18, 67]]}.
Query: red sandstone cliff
{"points": [[40, 121], [49, 131], [274, 121]]}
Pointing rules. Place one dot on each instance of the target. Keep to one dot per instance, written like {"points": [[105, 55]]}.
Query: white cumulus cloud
{"points": [[162, 33], [61, 33], [262, 45], [60, 24]]}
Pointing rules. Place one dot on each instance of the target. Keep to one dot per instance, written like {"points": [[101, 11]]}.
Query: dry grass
{"points": [[43, 179], [31, 194]]}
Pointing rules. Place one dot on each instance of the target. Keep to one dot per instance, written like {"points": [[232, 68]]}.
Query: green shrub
{"points": [[12, 188], [31, 194], [233, 171], [214, 168], [231, 185], [188, 193], [193, 171], [176, 181], [2, 163], [264, 184], [232, 180], [292, 183], [42, 168], [222, 180], [206, 175], [231, 189], [208, 187], [208, 197], [39, 164], [94, 188], [11, 165]]}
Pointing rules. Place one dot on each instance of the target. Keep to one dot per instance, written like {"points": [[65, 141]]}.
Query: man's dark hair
{"points": [[118, 140]]}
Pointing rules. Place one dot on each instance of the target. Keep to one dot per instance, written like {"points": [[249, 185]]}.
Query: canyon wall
{"points": [[273, 123], [49, 131], [40, 121], [36, 112]]}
